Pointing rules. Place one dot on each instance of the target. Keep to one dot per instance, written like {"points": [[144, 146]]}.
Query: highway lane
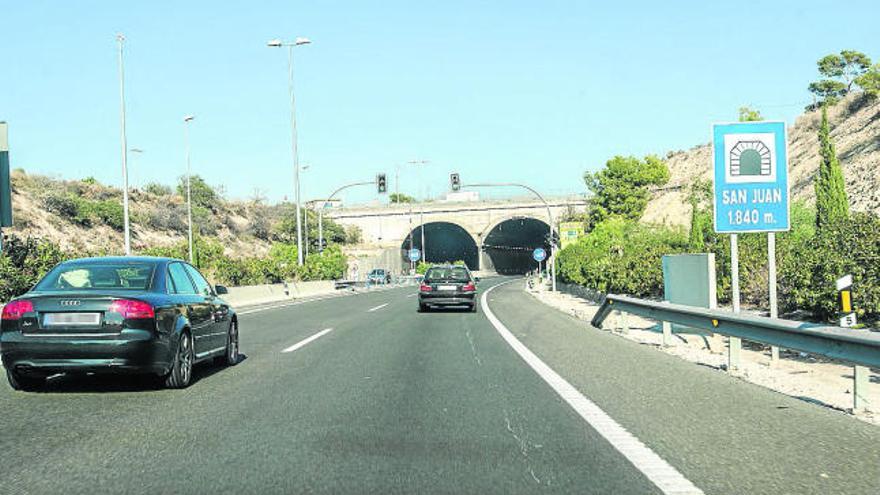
{"points": [[392, 401]]}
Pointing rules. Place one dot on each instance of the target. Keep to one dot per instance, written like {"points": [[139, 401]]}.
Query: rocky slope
{"points": [[856, 133]]}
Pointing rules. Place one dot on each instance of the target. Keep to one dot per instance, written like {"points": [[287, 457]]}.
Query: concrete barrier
{"points": [[269, 293]]}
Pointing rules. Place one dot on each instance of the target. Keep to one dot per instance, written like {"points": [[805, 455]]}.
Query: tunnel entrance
{"points": [[445, 241], [510, 244]]}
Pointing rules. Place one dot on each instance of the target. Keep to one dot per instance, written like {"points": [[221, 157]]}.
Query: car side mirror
{"points": [[476, 279], [221, 290]]}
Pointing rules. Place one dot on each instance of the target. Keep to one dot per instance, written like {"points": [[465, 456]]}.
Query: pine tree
{"points": [[831, 201]]}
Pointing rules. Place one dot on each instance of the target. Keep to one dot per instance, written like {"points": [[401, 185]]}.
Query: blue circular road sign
{"points": [[539, 254], [415, 254]]}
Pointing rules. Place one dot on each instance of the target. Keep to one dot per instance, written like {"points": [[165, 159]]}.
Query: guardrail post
{"points": [[667, 334], [734, 344], [861, 376], [624, 323]]}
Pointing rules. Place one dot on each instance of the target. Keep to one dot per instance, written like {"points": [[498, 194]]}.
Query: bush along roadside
{"points": [[623, 256], [24, 262]]}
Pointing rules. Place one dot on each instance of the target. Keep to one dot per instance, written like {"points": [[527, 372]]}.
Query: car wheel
{"points": [[230, 358], [181, 370], [19, 381], [474, 308], [423, 308]]}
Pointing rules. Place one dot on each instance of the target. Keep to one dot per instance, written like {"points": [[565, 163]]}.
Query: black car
{"points": [[448, 285], [139, 315]]}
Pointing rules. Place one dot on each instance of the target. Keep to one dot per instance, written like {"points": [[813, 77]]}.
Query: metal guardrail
{"points": [[860, 347]]}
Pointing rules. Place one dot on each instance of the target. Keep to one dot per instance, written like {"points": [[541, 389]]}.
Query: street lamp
{"points": [[277, 43], [421, 211], [127, 228], [139, 152], [189, 213]]}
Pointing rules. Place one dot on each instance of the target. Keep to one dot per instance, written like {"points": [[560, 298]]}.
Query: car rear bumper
{"points": [[131, 351], [457, 299]]}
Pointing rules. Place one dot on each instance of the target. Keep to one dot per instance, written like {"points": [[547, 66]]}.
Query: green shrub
{"points": [[621, 256], [329, 265], [158, 189], [847, 246], [24, 262]]}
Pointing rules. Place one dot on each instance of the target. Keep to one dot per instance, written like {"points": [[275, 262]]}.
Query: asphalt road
{"points": [[393, 401]]}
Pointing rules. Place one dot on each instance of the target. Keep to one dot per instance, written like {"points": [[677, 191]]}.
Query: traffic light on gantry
{"points": [[455, 181], [381, 185]]}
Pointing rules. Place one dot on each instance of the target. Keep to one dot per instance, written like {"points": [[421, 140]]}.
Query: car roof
{"points": [[120, 259]]}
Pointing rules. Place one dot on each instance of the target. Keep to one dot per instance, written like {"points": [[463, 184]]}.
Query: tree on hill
{"points": [[748, 114], [621, 188], [203, 195], [840, 72], [870, 81], [401, 198], [831, 201]]}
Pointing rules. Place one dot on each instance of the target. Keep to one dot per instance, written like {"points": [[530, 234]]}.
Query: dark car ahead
{"points": [[447, 286], [117, 315]]}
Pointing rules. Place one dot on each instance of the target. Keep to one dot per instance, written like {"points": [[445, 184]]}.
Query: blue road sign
{"points": [[539, 254], [415, 254], [751, 177]]}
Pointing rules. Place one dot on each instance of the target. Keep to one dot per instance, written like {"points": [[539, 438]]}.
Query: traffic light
{"points": [[381, 185], [455, 180]]}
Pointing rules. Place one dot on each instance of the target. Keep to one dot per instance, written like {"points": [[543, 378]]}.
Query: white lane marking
{"points": [[658, 471], [377, 307], [306, 341], [412, 295]]}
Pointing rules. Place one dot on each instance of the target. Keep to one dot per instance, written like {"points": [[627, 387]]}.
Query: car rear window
{"points": [[456, 273], [76, 277]]}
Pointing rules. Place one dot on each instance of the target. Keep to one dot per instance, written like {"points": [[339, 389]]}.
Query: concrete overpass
{"points": [[488, 235]]}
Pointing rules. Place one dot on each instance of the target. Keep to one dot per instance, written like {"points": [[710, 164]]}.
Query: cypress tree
{"points": [[831, 201]]}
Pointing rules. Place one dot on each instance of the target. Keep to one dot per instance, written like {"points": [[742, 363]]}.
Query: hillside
{"points": [[86, 216], [856, 134]]}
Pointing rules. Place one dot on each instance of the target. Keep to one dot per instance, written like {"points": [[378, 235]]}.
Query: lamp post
{"points": [[137, 151], [421, 210], [277, 43], [127, 228], [189, 215]]}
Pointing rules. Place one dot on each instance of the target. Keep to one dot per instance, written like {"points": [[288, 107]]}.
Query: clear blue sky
{"points": [[536, 92]]}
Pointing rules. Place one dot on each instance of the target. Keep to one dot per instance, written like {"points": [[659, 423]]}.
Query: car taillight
{"points": [[15, 309], [131, 309], [469, 287], [425, 288]]}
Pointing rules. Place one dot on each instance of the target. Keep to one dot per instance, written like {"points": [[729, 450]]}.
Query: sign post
{"points": [[5, 188], [751, 195], [539, 255]]}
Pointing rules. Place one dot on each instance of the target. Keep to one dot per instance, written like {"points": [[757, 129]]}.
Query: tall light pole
{"points": [[139, 152], [121, 40], [189, 211], [277, 43], [421, 209]]}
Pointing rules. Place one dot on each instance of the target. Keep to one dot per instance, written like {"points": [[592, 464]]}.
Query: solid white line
{"points": [[306, 341], [664, 476], [377, 307], [412, 295]]}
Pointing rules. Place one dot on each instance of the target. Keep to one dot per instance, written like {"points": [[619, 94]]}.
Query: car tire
{"points": [[181, 370], [230, 356], [474, 308], [423, 308], [19, 381]]}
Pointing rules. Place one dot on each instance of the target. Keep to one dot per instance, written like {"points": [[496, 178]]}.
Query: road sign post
{"points": [[539, 255], [751, 195], [5, 187]]}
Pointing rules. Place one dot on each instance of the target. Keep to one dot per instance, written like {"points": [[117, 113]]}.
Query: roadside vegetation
{"points": [[235, 243], [826, 241]]}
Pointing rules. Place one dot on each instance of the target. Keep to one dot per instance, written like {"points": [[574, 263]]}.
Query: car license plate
{"points": [[447, 287], [71, 319]]}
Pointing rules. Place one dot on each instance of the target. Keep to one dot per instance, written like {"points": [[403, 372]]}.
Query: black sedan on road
{"points": [[447, 286], [138, 315]]}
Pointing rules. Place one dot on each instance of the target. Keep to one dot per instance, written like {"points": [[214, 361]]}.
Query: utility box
{"points": [[5, 186], [689, 279]]}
